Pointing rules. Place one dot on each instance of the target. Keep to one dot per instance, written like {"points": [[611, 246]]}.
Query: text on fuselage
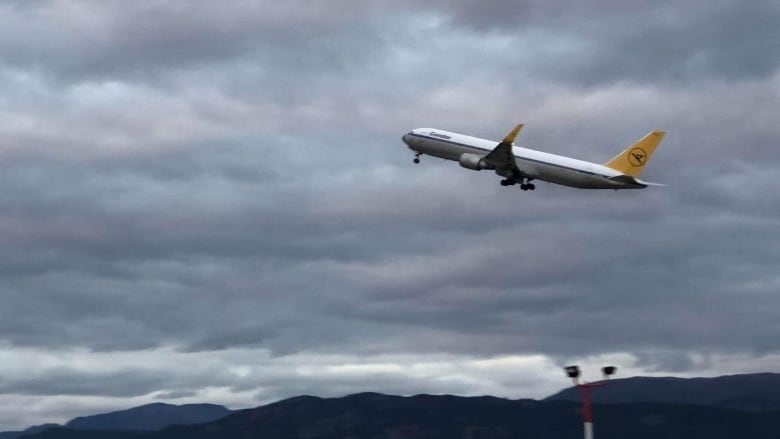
{"points": [[440, 136]]}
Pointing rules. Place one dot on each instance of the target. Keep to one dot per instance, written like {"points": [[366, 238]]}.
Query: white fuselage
{"points": [[532, 164]]}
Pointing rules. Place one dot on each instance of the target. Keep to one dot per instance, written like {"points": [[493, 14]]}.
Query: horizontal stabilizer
{"points": [[633, 181], [649, 183]]}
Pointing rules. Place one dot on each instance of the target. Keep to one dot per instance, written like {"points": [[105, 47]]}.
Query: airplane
{"points": [[523, 165]]}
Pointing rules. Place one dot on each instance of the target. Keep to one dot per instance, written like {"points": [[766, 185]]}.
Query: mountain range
{"points": [[755, 392], [712, 408], [150, 417]]}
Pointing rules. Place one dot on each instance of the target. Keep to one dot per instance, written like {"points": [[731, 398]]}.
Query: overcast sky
{"points": [[209, 201]]}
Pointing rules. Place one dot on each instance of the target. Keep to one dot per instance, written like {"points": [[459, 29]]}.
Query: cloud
{"points": [[608, 41], [221, 186]]}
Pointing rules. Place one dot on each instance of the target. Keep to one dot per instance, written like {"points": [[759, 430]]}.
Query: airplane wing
{"points": [[501, 156]]}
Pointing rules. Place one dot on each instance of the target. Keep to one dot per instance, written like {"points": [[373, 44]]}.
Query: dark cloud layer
{"points": [[605, 41], [182, 182]]}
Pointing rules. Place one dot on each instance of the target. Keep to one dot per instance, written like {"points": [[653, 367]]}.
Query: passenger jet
{"points": [[521, 165]]}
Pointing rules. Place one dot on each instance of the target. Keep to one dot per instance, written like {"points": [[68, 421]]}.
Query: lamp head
{"points": [[572, 372]]}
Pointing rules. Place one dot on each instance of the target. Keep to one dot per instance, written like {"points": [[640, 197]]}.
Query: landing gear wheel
{"points": [[530, 186], [417, 157], [524, 187], [416, 160]]}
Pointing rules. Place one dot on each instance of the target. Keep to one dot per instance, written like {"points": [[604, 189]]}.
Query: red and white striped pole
{"points": [[587, 414]]}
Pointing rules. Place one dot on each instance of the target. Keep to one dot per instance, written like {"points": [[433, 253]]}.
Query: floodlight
{"points": [[572, 371], [609, 370]]}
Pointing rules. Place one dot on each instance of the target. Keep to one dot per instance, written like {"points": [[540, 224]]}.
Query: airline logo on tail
{"points": [[637, 157]]}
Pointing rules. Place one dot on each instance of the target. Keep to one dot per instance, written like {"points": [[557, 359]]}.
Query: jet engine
{"points": [[474, 162]]}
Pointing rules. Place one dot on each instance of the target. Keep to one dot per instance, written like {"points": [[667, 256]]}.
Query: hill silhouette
{"points": [[711, 408], [759, 392], [375, 416], [150, 417]]}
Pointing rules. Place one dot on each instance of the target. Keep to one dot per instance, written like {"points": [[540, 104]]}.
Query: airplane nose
{"points": [[405, 139]]}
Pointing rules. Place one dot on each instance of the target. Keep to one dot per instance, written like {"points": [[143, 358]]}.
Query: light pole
{"points": [[573, 372]]}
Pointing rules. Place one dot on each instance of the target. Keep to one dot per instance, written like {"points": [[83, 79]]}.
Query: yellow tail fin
{"points": [[633, 159]]}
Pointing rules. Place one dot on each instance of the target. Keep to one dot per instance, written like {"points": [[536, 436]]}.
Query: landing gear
{"points": [[525, 183], [417, 157]]}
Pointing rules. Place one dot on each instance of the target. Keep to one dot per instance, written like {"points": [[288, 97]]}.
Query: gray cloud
{"points": [[76, 382], [212, 177], [110, 40], [606, 41]]}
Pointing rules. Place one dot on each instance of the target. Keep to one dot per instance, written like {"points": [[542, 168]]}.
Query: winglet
{"points": [[501, 156], [510, 138], [633, 159]]}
